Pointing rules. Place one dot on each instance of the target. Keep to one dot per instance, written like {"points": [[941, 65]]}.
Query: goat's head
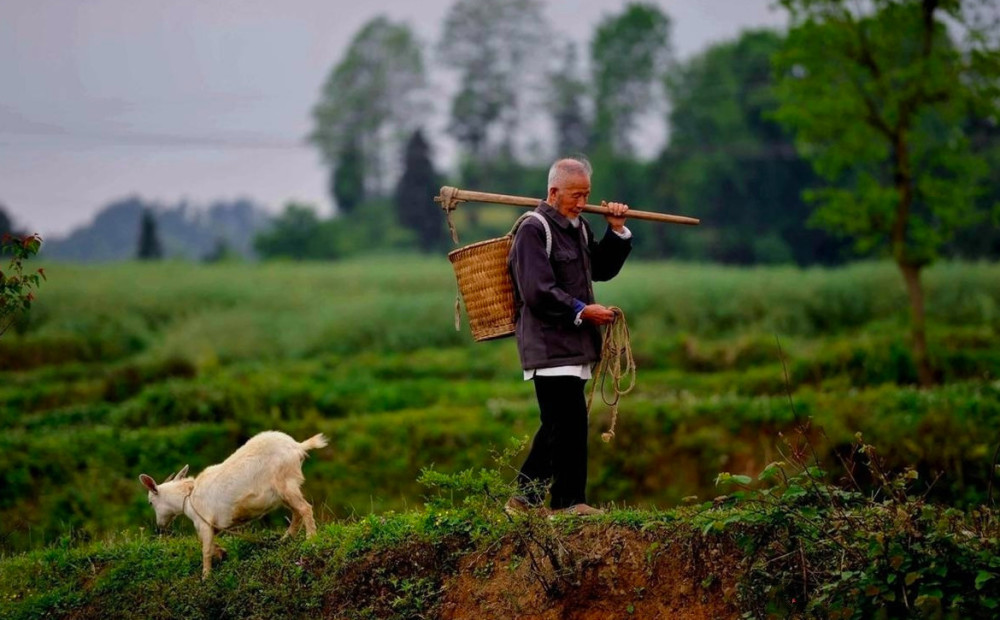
{"points": [[166, 498]]}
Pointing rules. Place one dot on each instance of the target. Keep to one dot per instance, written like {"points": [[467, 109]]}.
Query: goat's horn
{"points": [[170, 477]]}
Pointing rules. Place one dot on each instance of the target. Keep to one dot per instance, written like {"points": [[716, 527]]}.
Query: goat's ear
{"points": [[149, 483], [183, 472]]}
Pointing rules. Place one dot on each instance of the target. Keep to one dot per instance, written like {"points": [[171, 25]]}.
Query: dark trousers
{"points": [[559, 449]]}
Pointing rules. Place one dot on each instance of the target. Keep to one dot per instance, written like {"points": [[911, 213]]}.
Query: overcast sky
{"points": [[211, 99]]}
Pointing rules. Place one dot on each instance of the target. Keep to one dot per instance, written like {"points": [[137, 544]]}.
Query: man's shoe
{"points": [[520, 505], [582, 510]]}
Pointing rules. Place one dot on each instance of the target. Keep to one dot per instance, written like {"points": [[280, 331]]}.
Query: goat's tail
{"points": [[314, 442]]}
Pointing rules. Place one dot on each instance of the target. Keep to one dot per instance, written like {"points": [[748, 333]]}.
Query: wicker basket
{"points": [[485, 286]]}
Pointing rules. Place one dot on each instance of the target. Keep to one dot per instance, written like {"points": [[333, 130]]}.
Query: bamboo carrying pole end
{"points": [[448, 198]]}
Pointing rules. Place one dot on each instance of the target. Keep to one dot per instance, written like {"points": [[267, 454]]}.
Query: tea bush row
{"points": [[216, 314], [668, 446]]}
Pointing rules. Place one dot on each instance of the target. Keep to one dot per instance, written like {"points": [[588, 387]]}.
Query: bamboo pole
{"points": [[451, 196]]}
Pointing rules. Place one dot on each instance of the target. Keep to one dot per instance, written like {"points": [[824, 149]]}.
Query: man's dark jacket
{"points": [[546, 289]]}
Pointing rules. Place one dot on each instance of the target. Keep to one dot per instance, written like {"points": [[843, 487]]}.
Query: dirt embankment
{"points": [[594, 573]]}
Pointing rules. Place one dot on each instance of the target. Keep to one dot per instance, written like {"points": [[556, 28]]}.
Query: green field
{"points": [[129, 368]]}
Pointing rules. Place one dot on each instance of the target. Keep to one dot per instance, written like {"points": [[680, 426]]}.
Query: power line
{"points": [[57, 138]]}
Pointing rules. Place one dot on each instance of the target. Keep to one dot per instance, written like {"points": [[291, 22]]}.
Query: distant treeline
{"points": [[524, 95], [126, 228]]}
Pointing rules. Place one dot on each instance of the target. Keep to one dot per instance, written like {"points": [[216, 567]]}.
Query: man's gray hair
{"points": [[569, 166]]}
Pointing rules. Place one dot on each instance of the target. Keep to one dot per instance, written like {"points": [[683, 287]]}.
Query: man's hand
{"points": [[617, 216], [597, 314]]}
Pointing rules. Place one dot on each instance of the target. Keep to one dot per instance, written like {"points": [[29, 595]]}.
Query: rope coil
{"points": [[616, 361]]}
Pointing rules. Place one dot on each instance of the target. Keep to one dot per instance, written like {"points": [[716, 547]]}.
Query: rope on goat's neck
{"points": [[188, 500], [616, 360]]}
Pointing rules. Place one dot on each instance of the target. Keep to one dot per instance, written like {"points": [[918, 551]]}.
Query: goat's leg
{"points": [[294, 526], [206, 534], [292, 495]]}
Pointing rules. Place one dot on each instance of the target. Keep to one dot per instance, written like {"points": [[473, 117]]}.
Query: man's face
{"points": [[570, 196]]}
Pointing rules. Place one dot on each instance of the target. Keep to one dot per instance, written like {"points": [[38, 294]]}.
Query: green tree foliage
{"points": [[347, 181], [878, 100], [293, 234], [150, 247], [16, 286], [476, 108], [414, 192], [729, 162], [300, 234], [371, 101], [983, 241], [495, 46], [566, 102], [629, 55]]}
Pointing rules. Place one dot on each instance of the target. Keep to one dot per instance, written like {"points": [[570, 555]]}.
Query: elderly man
{"points": [[553, 262]]}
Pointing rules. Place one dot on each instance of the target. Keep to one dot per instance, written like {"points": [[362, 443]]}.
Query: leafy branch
{"points": [[16, 286]]}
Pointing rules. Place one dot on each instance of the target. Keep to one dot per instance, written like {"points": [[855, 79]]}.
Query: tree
{"points": [[149, 240], [629, 56], [299, 234], [566, 104], [877, 100], [414, 205], [983, 242], [347, 183], [371, 101], [495, 45], [293, 234], [729, 162]]}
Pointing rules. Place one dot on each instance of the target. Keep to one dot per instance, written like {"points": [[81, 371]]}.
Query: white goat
{"points": [[263, 473]]}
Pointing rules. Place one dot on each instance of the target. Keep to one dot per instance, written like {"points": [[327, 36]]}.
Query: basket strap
{"points": [[545, 225]]}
